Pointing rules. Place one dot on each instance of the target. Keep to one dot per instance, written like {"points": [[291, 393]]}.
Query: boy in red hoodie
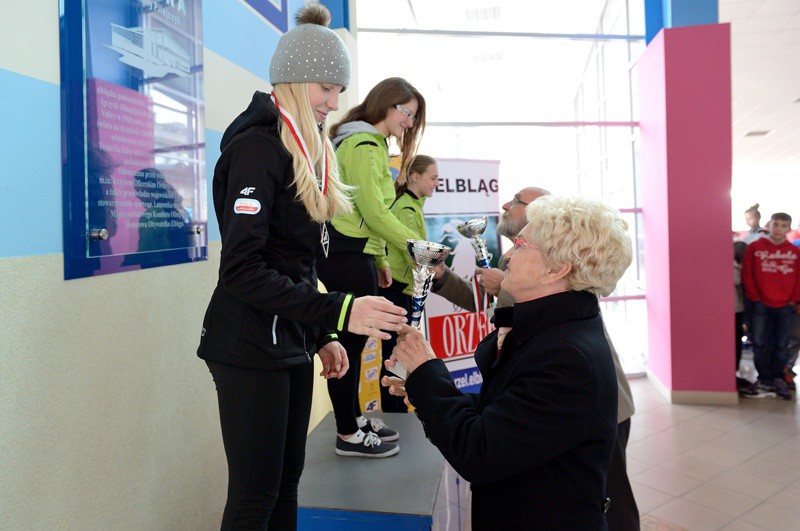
{"points": [[771, 279]]}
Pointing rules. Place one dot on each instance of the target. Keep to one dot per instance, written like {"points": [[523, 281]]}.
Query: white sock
{"points": [[361, 421], [357, 437]]}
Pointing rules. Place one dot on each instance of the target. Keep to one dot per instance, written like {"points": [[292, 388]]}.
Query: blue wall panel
{"points": [[237, 33], [653, 18], [340, 13], [311, 519], [30, 179], [30, 136], [679, 13], [213, 138]]}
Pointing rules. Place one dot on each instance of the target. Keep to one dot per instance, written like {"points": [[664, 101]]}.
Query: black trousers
{"points": [[264, 418], [622, 515], [739, 325], [391, 403], [349, 273]]}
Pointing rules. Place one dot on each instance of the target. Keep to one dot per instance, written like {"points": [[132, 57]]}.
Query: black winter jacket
{"points": [[536, 442], [266, 311]]}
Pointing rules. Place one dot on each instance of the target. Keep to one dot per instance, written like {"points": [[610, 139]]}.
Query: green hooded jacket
{"points": [[363, 157], [408, 209]]}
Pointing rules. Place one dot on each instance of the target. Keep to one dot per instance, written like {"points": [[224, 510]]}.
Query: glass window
{"points": [[481, 79], [626, 321], [565, 16], [533, 102]]}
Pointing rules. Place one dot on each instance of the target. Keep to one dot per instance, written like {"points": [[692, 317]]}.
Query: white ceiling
{"points": [[765, 57]]}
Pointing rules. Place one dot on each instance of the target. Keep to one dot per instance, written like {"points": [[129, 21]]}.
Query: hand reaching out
{"points": [[371, 314]]}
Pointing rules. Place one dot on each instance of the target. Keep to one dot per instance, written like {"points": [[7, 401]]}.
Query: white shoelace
{"points": [[370, 439], [377, 424]]}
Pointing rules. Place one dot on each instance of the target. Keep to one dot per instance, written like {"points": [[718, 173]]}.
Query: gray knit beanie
{"points": [[310, 52]]}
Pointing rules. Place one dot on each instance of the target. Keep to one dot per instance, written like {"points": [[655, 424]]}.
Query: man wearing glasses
{"points": [[623, 513], [457, 290]]}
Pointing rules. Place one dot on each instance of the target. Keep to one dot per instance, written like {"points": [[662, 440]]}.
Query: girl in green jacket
{"points": [[422, 180], [357, 261]]}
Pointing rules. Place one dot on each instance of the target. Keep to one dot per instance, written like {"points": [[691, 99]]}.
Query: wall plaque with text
{"points": [[133, 140]]}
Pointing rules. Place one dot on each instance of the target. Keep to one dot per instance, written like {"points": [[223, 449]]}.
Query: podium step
{"points": [[398, 492]]}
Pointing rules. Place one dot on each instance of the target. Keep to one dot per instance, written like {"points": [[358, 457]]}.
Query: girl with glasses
{"points": [[357, 262]]}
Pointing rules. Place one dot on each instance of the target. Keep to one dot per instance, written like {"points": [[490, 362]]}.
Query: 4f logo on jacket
{"points": [[247, 190]]}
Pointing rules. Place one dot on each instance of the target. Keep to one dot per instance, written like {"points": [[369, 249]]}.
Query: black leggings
{"points": [[391, 403], [264, 419], [350, 273]]}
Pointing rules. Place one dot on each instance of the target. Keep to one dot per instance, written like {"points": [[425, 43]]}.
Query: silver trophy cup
{"points": [[473, 229], [424, 255]]}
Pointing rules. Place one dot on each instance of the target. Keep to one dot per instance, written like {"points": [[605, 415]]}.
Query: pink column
{"points": [[685, 108]]}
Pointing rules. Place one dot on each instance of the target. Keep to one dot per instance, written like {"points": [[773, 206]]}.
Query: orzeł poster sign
{"points": [[467, 189]]}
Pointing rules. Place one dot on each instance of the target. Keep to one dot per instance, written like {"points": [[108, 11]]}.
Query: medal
{"points": [[326, 239]]}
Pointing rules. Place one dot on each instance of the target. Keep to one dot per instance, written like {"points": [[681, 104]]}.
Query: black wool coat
{"points": [[536, 442]]}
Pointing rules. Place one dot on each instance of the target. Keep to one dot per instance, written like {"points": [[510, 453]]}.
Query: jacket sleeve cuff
{"points": [[381, 262], [419, 380], [438, 283], [344, 313], [328, 336]]}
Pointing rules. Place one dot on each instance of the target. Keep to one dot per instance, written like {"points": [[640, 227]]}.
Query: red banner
{"points": [[457, 334]]}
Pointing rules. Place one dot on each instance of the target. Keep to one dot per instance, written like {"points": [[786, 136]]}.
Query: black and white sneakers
{"points": [[366, 445], [376, 426]]}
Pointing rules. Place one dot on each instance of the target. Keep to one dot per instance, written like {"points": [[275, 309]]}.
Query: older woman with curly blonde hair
{"points": [[537, 441]]}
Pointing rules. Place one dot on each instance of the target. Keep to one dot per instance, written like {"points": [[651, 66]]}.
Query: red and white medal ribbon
{"points": [[479, 296], [483, 301], [292, 125], [323, 182]]}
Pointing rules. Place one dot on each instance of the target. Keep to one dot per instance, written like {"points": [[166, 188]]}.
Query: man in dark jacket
{"points": [[536, 442]]}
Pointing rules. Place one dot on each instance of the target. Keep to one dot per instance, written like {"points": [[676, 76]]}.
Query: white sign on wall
{"points": [[467, 189]]}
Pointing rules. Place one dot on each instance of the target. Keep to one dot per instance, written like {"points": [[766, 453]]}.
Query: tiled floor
{"points": [[704, 468]]}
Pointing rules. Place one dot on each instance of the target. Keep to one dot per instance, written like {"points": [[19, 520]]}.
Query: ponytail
{"points": [[418, 165]]}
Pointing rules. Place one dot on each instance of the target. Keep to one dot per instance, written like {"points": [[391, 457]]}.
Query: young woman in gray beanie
{"points": [[358, 262], [275, 184]]}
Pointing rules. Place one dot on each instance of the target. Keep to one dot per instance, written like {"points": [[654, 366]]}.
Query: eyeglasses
{"points": [[405, 112], [516, 201], [519, 242]]}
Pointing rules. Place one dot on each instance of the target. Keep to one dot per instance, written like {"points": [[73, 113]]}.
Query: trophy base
{"points": [[398, 370]]}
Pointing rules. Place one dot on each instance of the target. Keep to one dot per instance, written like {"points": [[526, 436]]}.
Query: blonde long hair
{"points": [[293, 97]]}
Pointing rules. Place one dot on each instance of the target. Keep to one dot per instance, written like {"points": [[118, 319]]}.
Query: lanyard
{"points": [[323, 183], [292, 125]]}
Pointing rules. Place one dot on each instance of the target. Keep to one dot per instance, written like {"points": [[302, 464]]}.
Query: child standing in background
{"points": [[412, 190], [771, 278]]}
